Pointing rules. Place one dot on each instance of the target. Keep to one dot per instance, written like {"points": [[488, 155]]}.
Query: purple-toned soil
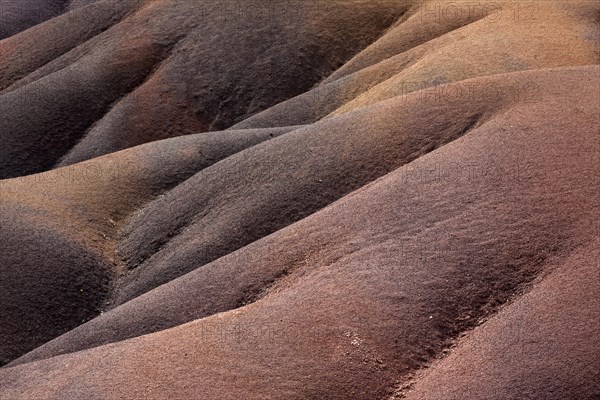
{"points": [[326, 199]]}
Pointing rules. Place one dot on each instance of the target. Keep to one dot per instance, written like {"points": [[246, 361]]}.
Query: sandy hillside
{"points": [[293, 199]]}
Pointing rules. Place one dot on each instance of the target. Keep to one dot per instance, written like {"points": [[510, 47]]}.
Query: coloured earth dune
{"points": [[300, 199]]}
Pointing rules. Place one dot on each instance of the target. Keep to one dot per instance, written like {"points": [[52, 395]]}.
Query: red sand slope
{"points": [[349, 200], [50, 209], [501, 359], [117, 80]]}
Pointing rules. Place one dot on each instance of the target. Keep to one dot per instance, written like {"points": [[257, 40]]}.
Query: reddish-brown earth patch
{"points": [[301, 200], [539, 347]]}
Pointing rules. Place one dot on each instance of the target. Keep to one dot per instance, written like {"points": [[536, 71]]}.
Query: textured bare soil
{"points": [[326, 199]]}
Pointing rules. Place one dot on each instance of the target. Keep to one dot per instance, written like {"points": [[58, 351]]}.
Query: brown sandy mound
{"points": [[265, 188], [18, 15], [50, 222], [379, 235], [176, 76], [354, 300], [51, 282], [241, 277], [438, 43], [198, 66], [537, 348]]}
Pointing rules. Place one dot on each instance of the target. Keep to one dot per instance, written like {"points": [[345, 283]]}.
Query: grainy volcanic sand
{"points": [[326, 199]]}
